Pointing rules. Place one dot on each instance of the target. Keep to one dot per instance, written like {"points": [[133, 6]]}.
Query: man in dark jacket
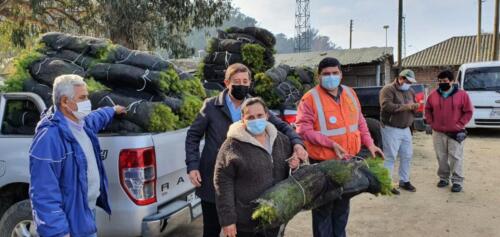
{"points": [[397, 111], [212, 123]]}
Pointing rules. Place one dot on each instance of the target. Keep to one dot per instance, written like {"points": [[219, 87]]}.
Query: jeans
{"points": [[211, 226], [398, 142], [331, 219], [95, 234]]}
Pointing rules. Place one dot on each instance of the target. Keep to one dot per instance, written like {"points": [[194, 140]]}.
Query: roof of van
{"points": [[480, 64]]}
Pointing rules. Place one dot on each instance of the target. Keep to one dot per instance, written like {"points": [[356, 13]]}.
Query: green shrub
{"points": [[14, 82]]}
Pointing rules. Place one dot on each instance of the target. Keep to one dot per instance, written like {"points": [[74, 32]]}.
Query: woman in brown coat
{"points": [[252, 159]]}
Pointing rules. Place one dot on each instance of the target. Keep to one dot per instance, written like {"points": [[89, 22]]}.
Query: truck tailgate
{"points": [[172, 179]]}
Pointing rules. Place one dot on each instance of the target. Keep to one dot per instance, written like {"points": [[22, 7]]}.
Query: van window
{"points": [[485, 78], [20, 118]]}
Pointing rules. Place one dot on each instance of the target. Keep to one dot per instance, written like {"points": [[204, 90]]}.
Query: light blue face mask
{"points": [[257, 126], [330, 82], [404, 87]]}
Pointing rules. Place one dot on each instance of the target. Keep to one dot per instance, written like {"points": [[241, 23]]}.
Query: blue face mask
{"points": [[330, 82], [404, 87], [257, 126]]}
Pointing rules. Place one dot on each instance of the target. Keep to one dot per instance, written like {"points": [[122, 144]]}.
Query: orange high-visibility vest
{"points": [[337, 121]]}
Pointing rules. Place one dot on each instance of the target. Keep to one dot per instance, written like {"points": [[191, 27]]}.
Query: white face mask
{"points": [[83, 109]]}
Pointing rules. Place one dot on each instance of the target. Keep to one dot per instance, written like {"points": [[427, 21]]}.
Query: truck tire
{"points": [[18, 221], [374, 126]]}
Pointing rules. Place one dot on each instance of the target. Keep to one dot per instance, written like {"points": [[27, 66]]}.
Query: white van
{"points": [[482, 82]]}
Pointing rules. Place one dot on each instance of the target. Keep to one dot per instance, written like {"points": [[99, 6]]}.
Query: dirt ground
{"points": [[430, 211]]}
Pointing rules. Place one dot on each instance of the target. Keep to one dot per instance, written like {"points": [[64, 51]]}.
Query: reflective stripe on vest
{"points": [[321, 115]]}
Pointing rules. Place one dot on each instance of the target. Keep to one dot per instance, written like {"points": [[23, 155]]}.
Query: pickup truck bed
{"points": [[152, 211]]}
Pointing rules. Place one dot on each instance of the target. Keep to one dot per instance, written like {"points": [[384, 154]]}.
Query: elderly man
{"points": [[67, 175], [397, 111], [212, 124]]}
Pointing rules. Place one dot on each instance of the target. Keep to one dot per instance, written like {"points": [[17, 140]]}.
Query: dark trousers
{"points": [[330, 220], [266, 233], [211, 226]]}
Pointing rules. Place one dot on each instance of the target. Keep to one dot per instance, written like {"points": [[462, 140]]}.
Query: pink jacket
{"points": [[305, 121], [449, 114]]}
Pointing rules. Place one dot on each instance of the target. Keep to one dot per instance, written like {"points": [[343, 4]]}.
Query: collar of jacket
{"points": [[454, 91], [237, 131], [221, 103], [58, 118]]}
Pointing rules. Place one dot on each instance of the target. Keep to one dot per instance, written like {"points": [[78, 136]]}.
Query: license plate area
{"points": [[495, 113], [195, 203]]}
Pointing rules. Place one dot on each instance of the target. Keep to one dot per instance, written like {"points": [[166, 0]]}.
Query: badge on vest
{"points": [[332, 119]]}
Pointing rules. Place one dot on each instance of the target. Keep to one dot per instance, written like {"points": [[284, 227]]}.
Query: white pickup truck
{"points": [[140, 207], [481, 80]]}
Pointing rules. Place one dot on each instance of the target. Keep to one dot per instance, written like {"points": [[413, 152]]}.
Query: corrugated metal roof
{"points": [[454, 51], [345, 56]]}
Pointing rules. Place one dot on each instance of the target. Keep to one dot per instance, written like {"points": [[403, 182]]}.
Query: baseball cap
{"points": [[409, 75]]}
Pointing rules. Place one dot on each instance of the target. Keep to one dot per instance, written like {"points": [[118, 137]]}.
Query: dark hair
{"points": [[328, 62], [252, 101], [446, 74]]}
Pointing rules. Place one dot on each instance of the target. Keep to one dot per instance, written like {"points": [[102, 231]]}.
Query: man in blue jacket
{"points": [[67, 175]]}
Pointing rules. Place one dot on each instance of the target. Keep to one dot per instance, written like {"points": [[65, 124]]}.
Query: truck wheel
{"points": [[374, 127], [17, 221]]}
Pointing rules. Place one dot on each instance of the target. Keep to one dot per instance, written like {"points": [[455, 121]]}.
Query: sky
{"points": [[428, 22]]}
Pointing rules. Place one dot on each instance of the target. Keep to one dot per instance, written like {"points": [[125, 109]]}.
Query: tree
{"points": [[138, 24], [284, 44], [318, 42]]}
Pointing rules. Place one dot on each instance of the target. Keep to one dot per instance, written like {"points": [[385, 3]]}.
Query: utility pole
{"points": [[495, 32], [404, 37], [386, 27], [350, 35], [478, 38], [400, 33]]}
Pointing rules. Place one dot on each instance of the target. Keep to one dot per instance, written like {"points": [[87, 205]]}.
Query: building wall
{"points": [[428, 75], [366, 75]]}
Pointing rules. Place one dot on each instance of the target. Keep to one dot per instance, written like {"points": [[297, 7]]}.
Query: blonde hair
{"points": [[237, 68]]}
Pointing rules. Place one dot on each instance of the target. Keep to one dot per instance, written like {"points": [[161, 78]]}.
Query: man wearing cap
{"points": [[330, 121], [398, 107]]}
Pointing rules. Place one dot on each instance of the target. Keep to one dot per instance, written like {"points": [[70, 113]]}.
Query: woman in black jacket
{"points": [[252, 159]]}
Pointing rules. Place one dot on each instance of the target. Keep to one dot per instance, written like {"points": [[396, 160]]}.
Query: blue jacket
{"points": [[58, 168]]}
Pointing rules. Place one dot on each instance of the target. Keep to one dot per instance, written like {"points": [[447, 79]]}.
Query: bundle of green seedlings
{"points": [[107, 67], [283, 86], [251, 46], [316, 185]]}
